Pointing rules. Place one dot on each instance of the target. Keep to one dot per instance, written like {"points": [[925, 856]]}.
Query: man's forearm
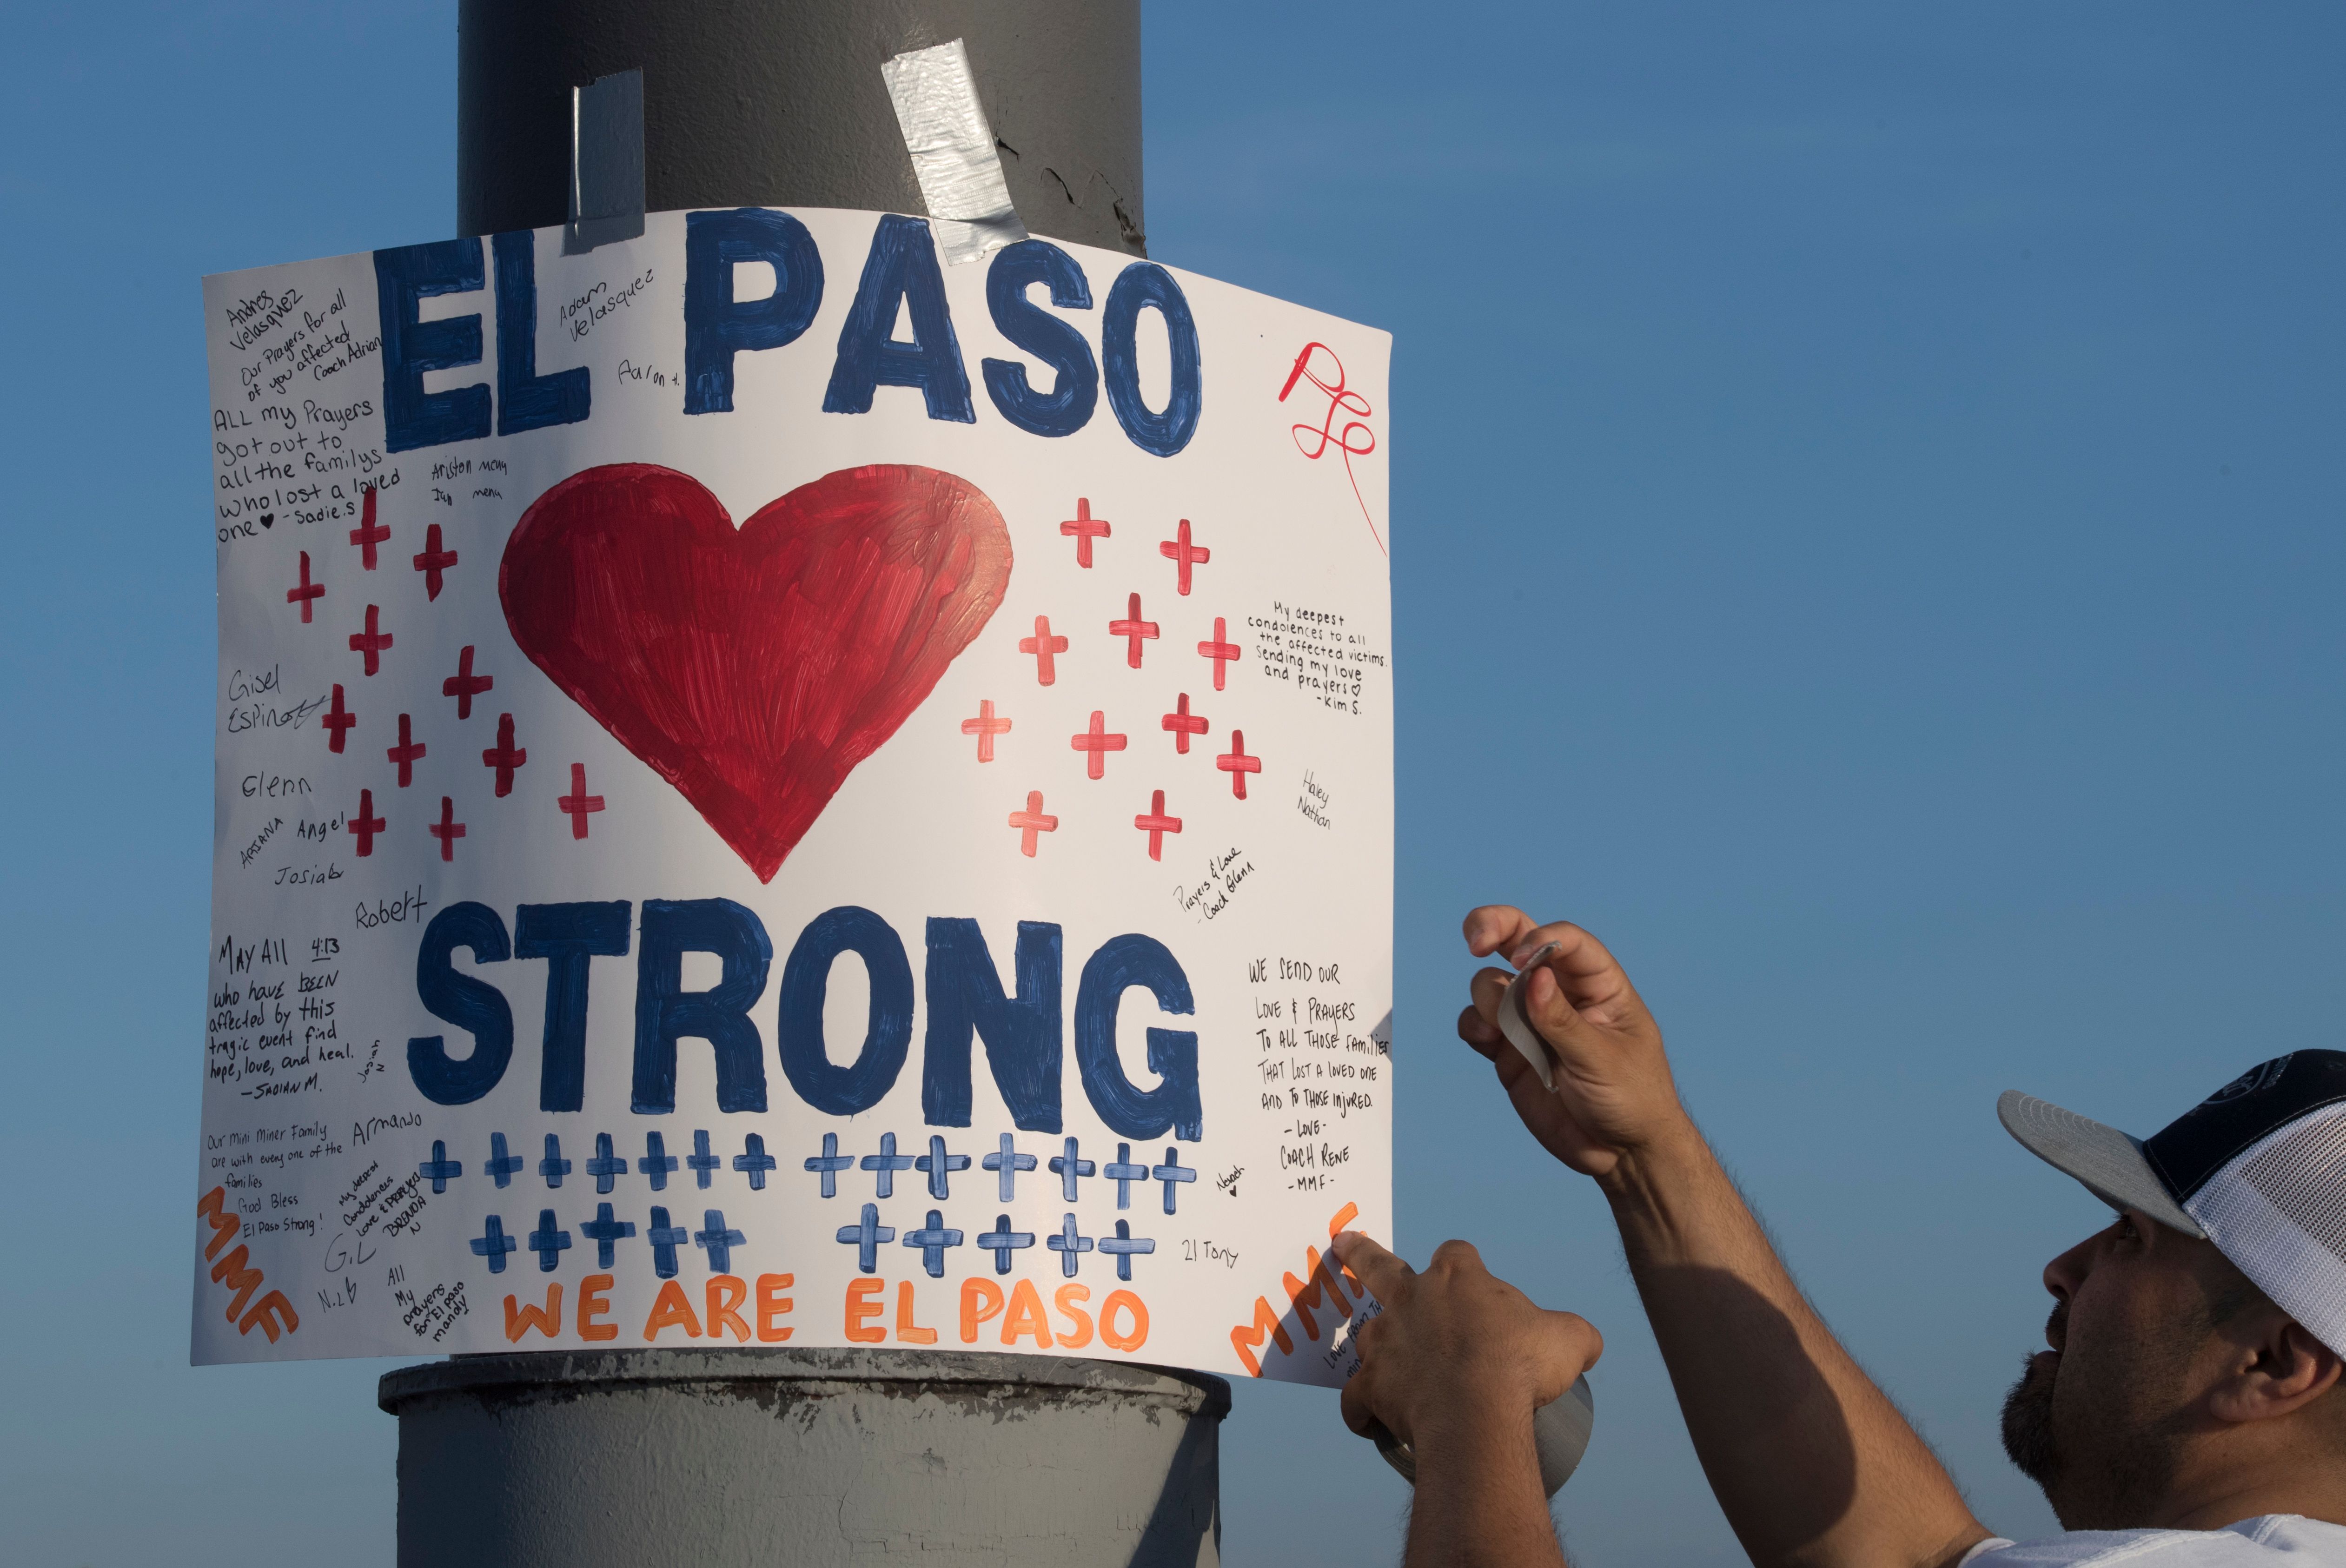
{"points": [[1810, 1461], [1479, 1504]]}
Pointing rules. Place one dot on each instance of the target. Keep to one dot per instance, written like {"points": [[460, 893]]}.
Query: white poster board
{"points": [[771, 790]]}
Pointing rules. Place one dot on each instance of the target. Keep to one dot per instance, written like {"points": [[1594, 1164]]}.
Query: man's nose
{"points": [[2067, 1272]]}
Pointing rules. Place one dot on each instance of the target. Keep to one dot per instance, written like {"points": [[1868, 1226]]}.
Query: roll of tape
{"points": [[1560, 1430]]}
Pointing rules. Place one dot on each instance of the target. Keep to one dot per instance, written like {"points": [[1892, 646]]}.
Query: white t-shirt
{"points": [[2267, 1541]]}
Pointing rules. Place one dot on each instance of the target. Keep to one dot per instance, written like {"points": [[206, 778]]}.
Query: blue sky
{"points": [[1867, 542]]}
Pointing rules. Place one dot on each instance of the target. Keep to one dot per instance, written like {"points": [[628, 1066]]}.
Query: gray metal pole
{"points": [[780, 103], [640, 1459]]}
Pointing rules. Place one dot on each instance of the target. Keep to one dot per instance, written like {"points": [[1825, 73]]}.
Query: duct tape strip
{"points": [[606, 162], [953, 151]]}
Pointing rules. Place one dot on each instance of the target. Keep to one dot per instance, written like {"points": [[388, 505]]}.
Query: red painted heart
{"points": [[753, 667]]}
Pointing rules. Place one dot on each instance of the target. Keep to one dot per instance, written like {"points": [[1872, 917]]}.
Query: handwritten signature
{"points": [[1355, 440]]}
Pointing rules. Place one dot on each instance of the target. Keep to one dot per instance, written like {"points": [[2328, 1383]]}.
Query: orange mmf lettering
{"points": [[981, 1301], [1026, 1317], [726, 1294], [1319, 1289], [1246, 1337], [593, 1306], [670, 1310], [908, 1331], [264, 1314], [214, 1208], [1070, 1300], [862, 1309], [773, 1304], [231, 1272], [1127, 1302], [547, 1319]]}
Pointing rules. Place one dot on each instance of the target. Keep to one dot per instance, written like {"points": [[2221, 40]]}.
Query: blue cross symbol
{"points": [[1123, 1244], [887, 1162], [1124, 1173], [701, 1162], [547, 1241], [1001, 1240], [606, 1166], [867, 1237], [932, 1240], [603, 1230], [830, 1162], [719, 1241], [501, 1165], [440, 1170], [1172, 1171], [938, 1162], [552, 1167], [756, 1161], [493, 1244], [1009, 1162], [1066, 1167], [1067, 1244], [657, 1163], [665, 1239]]}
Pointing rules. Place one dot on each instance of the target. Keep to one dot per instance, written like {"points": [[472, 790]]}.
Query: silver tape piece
{"points": [[606, 162], [953, 152], [1517, 1027]]}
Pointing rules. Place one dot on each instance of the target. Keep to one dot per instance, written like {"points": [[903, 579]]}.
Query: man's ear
{"points": [[2280, 1370]]}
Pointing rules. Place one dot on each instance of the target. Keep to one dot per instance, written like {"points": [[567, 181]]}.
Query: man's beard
{"points": [[2104, 1443]]}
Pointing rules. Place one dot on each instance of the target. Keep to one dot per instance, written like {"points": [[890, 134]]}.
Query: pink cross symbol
{"points": [[447, 829], [366, 535], [985, 727], [1043, 645], [1183, 724], [1220, 650], [1032, 821], [306, 592], [1083, 529], [1094, 741], [1179, 551], [1157, 824], [404, 754], [1237, 764], [502, 755], [366, 824], [433, 561], [337, 723], [577, 803], [371, 642], [464, 685], [1133, 630]]}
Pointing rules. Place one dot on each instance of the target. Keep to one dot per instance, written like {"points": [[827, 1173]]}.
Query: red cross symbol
{"points": [[371, 642], [1083, 529], [366, 824], [1183, 724], [366, 535], [464, 685], [503, 756], [1219, 650], [1179, 551], [1032, 821], [447, 829], [1094, 741], [337, 722], [1157, 824], [433, 561], [1133, 630], [306, 592], [1237, 764], [985, 727], [1043, 645], [579, 803], [404, 753]]}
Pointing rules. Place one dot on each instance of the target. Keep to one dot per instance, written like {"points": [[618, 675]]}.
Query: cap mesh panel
{"points": [[2279, 1212]]}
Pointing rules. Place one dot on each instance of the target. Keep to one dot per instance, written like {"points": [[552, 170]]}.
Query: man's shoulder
{"points": [[2267, 1541]]}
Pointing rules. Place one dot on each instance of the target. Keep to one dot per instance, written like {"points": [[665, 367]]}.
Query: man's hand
{"points": [[1612, 1090], [1455, 1348]]}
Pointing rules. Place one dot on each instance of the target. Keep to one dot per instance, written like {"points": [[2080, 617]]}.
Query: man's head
{"points": [[2181, 1388]]}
